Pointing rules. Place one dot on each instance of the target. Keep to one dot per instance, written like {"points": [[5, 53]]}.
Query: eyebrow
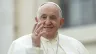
{"points": [[43, 15]]}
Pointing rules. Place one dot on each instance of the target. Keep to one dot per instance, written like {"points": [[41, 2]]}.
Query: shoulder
{"points": [[19, 45], [69, 41], [23, 40], [67, 38]]}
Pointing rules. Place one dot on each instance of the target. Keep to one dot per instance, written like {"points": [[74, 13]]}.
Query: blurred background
{"points": [[17, 19]]}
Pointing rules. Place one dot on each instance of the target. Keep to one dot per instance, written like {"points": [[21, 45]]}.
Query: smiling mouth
{"points": [[48, 28]]}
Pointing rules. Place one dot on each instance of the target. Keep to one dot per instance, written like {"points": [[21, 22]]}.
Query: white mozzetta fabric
{"points": [[61, 45]]}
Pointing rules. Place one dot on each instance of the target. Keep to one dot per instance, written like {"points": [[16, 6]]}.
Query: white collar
{"points": [[47, 40]]}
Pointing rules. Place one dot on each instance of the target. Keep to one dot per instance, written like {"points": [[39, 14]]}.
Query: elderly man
{"points": [[45, 38]]}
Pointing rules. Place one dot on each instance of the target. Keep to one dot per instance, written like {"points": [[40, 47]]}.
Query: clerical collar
{"points": [[52, 40]]}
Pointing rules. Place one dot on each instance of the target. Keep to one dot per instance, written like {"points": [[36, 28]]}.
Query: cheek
{"points": [[56, 24]]}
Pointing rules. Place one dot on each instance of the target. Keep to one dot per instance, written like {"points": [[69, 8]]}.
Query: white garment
{"points": [[63, 45]]}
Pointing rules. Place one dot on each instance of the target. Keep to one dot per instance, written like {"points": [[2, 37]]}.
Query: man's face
{"points": [[52, 21]]}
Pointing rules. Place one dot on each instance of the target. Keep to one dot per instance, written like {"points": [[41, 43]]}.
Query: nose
{"points": [[48, 21]]}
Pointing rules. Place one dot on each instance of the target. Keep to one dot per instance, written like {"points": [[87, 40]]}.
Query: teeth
{"points": [[47, 27]]}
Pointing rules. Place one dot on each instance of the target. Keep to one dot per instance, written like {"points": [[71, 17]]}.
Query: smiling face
{"points": [[49, 13]]}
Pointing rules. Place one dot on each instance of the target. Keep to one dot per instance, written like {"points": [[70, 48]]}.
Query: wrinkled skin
{"points": [[49, 21]]}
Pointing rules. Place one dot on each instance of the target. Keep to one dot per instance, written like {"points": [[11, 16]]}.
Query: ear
{"points": [[36, 19], [61, 21]]}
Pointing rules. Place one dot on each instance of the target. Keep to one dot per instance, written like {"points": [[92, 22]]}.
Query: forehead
{"points": [[49, 9]]}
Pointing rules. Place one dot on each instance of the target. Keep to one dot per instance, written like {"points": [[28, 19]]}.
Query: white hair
{"points": [[60, 11]]}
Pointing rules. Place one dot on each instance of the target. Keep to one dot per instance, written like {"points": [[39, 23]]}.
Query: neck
{"points": [[51, 37]]}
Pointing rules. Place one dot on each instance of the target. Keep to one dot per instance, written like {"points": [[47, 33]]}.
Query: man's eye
{"points": [[53, 17], [44, 17]]}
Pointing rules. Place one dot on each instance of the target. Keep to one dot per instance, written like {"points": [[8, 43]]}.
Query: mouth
{"points": [[48, 28]]}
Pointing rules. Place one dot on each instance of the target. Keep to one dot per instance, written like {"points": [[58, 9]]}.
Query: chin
{"points": [[50, 33]]}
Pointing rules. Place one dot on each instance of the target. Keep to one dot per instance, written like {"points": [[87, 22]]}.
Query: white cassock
{"points": [[60, 45]]}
